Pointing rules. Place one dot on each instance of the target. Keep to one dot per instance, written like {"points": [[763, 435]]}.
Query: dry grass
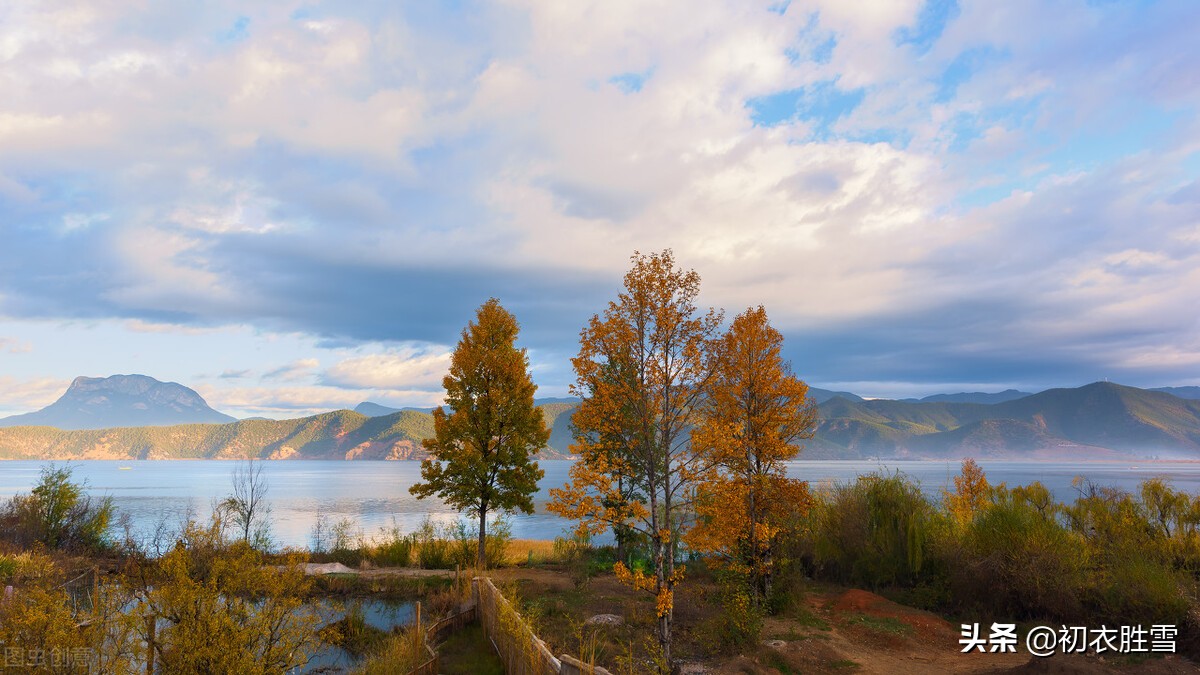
{"points": [[534, 551]]}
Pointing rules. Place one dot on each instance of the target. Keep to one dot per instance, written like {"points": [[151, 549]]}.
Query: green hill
{"points": [[1100, 419], [1070, 422], [342, 434]]}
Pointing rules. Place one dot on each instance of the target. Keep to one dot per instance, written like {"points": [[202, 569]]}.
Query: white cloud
{"points": [[27, 395], [300, 401], [295, 370], [500, 141], [405, 368], [14, 346]]}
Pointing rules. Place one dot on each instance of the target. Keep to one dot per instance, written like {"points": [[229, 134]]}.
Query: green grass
{"points": [[880, 624], [353, 585], [776, 661], [843, 664], [469, 652], [806, 617]]}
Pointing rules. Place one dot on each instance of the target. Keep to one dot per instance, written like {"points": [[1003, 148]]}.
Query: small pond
{"points": [[384, 614]]}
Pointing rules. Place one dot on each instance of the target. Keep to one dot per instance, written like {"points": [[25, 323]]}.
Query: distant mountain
{"points": [[375, 410], [1099, 419], [821, 395], [1182, 392], [342, 434], [121, 401], [569, 400], [977, 397]]}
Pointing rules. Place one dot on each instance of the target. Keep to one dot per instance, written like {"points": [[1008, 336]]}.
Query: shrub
{"points": [[433, 552], [400, 653], [58, 513], [1032, 566], [736, 626], [1137, 590], [393, 549], [223, 610], [576, 555], [465, 536], [874, 531]]}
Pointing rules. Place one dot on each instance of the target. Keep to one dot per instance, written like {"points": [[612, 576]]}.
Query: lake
{"points": [[375, 495]]}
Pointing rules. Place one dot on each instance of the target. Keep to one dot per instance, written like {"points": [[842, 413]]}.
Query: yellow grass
{"points": [[524, 550]]}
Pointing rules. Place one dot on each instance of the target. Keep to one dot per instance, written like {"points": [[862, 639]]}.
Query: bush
{"points": [[58, 514], [393, 549], [1140, 591], [223, 610], [465, 536], [400, 653], [433, 552], [874, 531], [1032, 566], [738, 624], [576, 555]]}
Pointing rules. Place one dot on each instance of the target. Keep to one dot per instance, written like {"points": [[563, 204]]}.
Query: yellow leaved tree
{"points": [[755, 414], [642, 372]]}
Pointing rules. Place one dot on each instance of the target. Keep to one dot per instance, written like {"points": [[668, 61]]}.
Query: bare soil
{"points": [[829, 629]]}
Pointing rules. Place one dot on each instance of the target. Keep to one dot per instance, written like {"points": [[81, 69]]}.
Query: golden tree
{"points": [[971, 493], [480, 455], [641, 373], [755, 412]]}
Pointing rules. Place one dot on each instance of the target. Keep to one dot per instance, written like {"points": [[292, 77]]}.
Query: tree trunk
{"points": [[619, 531], [482, 538], [768, 562], [664, 621], [755, 558]]}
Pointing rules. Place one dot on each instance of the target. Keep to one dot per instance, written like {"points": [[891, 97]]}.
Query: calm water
{"points": [[375, 494], [382, 614]]}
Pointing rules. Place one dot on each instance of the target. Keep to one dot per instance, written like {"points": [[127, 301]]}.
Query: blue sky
{"points": [[294, 207]]}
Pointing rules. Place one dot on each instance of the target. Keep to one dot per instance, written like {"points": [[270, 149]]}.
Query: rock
{"points": [[776, 644], [604, 620], [327, 568]]}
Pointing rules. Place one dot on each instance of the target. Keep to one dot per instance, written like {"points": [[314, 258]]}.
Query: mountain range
{"points": [[133, 416], [1098, 420]]}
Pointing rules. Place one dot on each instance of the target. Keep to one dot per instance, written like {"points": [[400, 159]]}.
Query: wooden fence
{"points": [[438, 632], [521, 651]]}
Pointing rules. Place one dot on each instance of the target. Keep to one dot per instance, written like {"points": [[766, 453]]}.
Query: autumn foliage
{"points": [[682, 433], [755, 414], [642, 373]]}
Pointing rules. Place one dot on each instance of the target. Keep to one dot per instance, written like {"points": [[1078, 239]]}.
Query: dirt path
{"points": [[856, 631]]}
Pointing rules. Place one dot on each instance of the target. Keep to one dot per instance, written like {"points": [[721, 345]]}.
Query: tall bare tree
{"points": [[246, 506]]}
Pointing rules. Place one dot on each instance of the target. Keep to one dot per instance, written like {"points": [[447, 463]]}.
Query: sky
{"points": [[293, 207]]}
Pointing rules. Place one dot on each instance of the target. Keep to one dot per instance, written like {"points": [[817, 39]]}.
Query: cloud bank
{"points": [[920, 193]]}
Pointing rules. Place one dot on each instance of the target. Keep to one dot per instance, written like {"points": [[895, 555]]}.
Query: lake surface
{"points": [[374, 495]]}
